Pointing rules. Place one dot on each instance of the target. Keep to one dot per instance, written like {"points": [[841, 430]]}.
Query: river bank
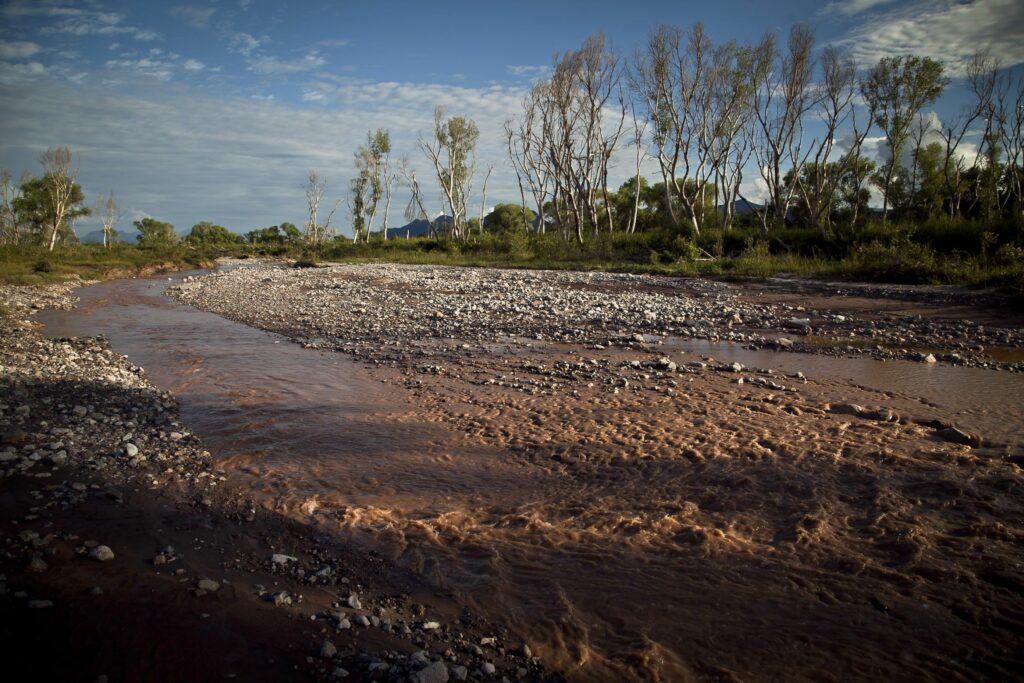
{"points": [[644, 511], [124, 547]]}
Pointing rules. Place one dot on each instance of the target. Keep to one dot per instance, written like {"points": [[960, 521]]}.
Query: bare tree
{"points": [[1009, 116], [452, 152], [732, 94], [59, 178], [108, 212], [10, 232], [483, 200], [782, 97], [819, 183], [982, 72], [527, 144], [416, 208], [698, 98], [641, 153], [316, 185]]}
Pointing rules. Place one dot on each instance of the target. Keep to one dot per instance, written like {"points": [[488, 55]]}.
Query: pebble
{"points": [[101, 553], [208, 585], [328, 650]]}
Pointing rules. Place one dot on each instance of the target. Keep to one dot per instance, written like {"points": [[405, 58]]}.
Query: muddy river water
{"points": [[622, 540]]}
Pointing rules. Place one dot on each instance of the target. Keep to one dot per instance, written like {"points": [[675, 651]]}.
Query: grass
{"points": [[934, 252], [27, 265]]}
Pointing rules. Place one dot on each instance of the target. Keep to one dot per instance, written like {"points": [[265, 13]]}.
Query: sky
{"points": [[216, 110]]}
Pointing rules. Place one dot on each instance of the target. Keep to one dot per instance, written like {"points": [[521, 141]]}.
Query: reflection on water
{"points": [[621, 538]]}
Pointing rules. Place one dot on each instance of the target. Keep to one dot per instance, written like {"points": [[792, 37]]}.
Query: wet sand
{"points": [[636, 512]]}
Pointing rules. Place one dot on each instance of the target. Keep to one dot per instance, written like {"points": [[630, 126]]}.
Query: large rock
{"points": [[433, 673]]}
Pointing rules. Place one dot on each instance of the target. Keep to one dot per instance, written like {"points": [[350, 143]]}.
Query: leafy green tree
{"points": [[154, 233], [209, 235], [507, 218], [929, 187], [34, 208], [897, 89], [274, 235]]}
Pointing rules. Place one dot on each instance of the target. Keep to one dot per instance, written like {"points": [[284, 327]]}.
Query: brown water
{"points": [[711, 536]]}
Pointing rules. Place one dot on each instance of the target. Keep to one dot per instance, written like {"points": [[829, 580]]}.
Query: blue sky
{"points": [[216, 110]]}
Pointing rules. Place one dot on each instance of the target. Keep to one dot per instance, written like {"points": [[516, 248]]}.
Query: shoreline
{"points": [[94, 456]]}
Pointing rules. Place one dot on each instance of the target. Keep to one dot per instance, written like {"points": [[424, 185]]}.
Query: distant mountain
{"points": [[418, 228], [96, 236], [741, 207]]}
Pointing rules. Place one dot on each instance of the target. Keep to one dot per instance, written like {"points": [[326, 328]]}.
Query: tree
{"points": [[10, 229], [452, 152], [782, 96], [206, 234], [897, 89], [274, 235], [508, 218], [375, 180], [316, 185], [154, 233], [35, 212], [107, 210], [818, 183], [59, 180]]}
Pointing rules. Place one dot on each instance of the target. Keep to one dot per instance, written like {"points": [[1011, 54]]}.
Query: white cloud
{"points": [[11, 74], [193, 65], [273, 65], [948, 30], [147, 66], [852, 7], [18, 49], [240, 161], [89, 22], [197, 17], [244, 44], [526, 71]]}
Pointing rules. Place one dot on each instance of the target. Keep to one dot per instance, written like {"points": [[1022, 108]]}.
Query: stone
{"points": [[101, 553], [432, 673], [430, 626], [281, 599], [929, 358], [846, 409], [327, 650], [208, 585], [460, 672], [278, 558], [131, 450], [353, 601], [489, 669], [955, 435], [40, 604], [36, 566]]}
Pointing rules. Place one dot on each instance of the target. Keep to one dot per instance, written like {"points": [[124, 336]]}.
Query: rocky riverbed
{"points": [[638, 511], [122, 546], [364, 310]]}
